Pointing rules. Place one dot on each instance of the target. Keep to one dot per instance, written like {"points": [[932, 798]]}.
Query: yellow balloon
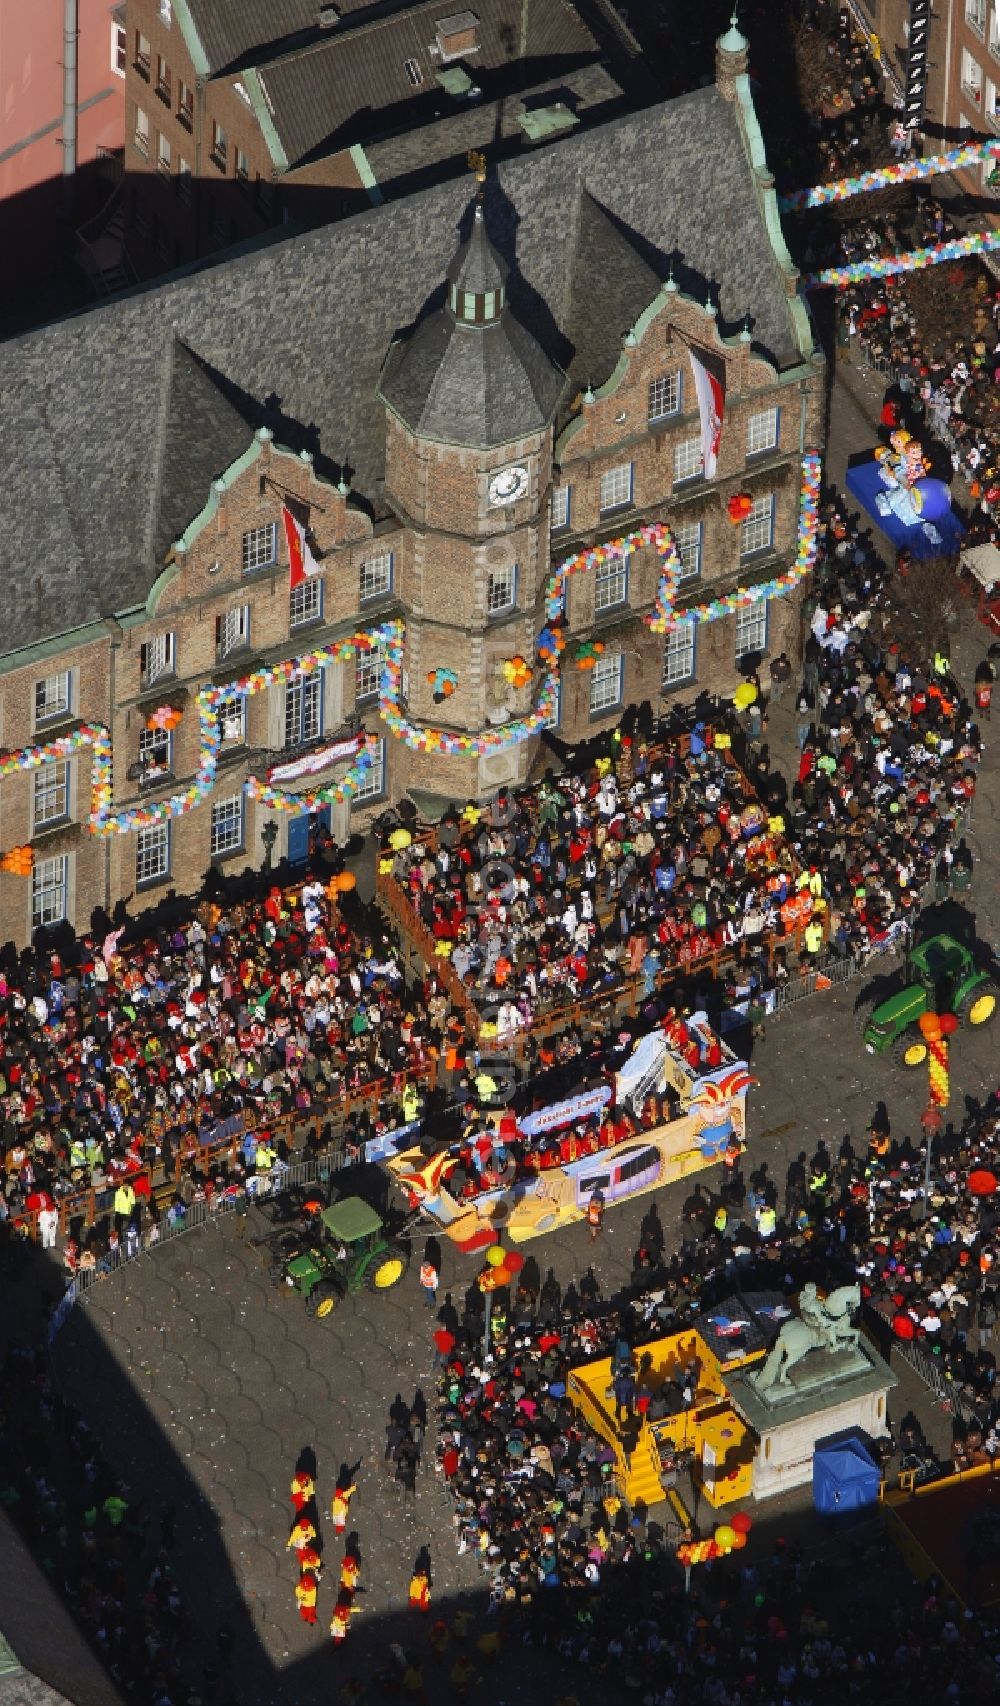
{"points": [[724, 1536], [495, 1256], [744, 695]]}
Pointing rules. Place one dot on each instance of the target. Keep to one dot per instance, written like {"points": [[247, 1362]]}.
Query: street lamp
{"points": [[269, 835]]}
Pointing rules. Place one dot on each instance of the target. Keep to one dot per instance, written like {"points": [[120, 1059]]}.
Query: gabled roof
{"points": [[357, 84], [200, 434], [609, 286], [298, 331], [228, 32]]}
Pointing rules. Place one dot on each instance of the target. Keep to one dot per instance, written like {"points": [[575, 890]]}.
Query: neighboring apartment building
{"points": [[538, 400], [32, 94], [243, 118], [963, 70]]}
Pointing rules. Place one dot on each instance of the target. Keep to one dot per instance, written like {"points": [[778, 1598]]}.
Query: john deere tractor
{"points": [[345, 1250], [941, 977]]}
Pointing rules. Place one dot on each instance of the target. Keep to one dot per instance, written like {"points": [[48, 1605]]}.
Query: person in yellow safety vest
{"points": [[813, 937], [942, 663], [124, 1200], [266, 1156], [819, 1178], [411, 1104], [486, 1087], [767, 1221], [721, 1220], [810, 881]]}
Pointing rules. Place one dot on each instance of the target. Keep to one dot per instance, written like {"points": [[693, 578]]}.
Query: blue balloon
{"points": [[933, 499]]}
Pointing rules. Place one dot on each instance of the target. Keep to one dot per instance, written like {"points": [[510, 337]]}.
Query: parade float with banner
{"points": [[527, 1175]]}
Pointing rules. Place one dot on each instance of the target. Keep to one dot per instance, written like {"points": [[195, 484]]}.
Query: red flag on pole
{"points": [[302, 565], [711, 408]]}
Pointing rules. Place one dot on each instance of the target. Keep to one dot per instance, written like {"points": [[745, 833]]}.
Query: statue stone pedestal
{"points": [[827, 1392]]}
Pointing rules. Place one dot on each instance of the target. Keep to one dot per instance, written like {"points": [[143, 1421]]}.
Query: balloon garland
{"points": [[210, 701], [885, 177], [914, 260], [664, 618]]}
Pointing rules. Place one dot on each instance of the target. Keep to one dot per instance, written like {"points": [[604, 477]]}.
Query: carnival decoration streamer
{"points": [[664, 617], [885, 177], [935, 1028], [913, 260]]}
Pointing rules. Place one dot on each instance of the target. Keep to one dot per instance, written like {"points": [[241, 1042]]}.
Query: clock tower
{"points": [[470, 398]]}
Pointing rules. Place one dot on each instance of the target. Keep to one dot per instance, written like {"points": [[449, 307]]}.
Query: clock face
{"points": [[509, 484]]}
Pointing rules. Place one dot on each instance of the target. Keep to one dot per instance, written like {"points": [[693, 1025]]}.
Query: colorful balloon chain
{"points": [[885, 177], [420, 737], [329, 793], [663, 618], [913, 260]]}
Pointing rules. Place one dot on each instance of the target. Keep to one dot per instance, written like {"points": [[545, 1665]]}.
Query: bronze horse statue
{"points": [[823, 1324]]}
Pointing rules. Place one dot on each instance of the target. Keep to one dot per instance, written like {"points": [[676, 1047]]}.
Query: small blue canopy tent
{"points": [[845, 1477]]}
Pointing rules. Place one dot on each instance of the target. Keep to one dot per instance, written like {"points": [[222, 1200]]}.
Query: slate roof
{"points": [[295, 333], [231, 30], [476, 266], [352, 86], [473, 385]]}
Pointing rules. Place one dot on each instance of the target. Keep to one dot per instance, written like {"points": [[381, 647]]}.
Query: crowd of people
{"points": [[120, 1064], [572, 1567]]}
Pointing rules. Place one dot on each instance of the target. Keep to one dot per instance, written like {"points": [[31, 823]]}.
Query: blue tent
{"points": [[845, 1477]]}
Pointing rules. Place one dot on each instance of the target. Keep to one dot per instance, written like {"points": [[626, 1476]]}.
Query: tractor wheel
{"points": [[909, 1050], [979, 1006], [322, 1300], [862, 1014], [388, 1268]]}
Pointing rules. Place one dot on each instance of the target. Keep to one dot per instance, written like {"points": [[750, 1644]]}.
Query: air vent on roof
{"points": [[328, 18], [457, 35], [542, 123]]}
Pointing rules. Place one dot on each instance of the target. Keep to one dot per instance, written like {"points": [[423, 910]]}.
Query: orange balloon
{"points": [[739, 1540], [929, 1026], [345, 881]]}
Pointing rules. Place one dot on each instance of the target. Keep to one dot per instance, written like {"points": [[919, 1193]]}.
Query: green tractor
{"points": [[347, 1250], [941, 978]]}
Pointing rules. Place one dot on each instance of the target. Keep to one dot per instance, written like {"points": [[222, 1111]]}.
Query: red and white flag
{"points": [[711, 408], [302, 565]]}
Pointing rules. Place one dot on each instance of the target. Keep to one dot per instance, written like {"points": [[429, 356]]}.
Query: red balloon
{"points": [[981, 1182], [741, 1522], [949, 1024], [904, 1326], [513, 1261]]}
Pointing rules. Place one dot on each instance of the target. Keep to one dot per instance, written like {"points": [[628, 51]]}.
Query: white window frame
{"points": [[185, 104], [260, 547], [142, 131], [220, 145], [665, 396], [751, 629], [689, 540], [119, 48], [51, 797], [375, 577], [50, 891], [164, 155], [155, 752], [304, 710], [972, 77], [143, 55], [305, 602], [368, 675], [166, 11], [234, 630], [185, 180], [611, 584], [617, 487], [152, 854], [689, 463], [373, 784], [678, 657], [164, 80], [994, 33], [157, 658], [560, 506], [975, 16], [757, 531], [501, 590], [58, 698], [228, 829], [606, 684], [232, 713], [763, 431]]}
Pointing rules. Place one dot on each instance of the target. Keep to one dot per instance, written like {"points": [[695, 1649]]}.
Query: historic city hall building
{"points": [[452, 395]]}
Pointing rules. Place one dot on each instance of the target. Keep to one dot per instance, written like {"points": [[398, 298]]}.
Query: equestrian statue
{"points": [[822, 1324]]}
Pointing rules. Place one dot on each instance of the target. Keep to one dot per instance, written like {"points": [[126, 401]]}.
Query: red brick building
{"points": [[453, 396], [240, 119]]}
